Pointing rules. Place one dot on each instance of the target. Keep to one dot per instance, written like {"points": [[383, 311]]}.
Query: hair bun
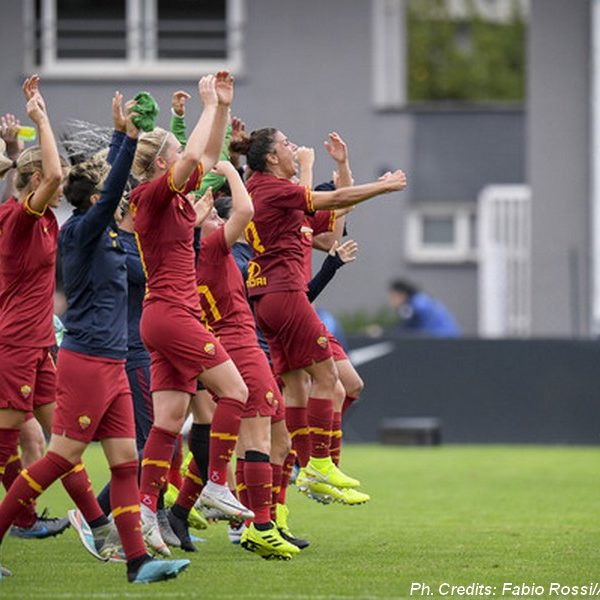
{"points": [[241, 146]]}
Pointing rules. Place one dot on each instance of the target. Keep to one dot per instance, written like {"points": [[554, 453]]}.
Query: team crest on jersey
{"points": [[210, 348], [307, 232], [84, 421], [25, 390], [322, 341], [269, 396]]}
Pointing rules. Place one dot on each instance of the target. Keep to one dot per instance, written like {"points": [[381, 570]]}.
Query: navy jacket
{"points": [[94, 269]]}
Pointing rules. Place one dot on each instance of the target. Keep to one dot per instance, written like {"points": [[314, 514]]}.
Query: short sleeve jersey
{"points": [[28, 243], [323, 221], [275, 235], [222, 293], [164, 227]]}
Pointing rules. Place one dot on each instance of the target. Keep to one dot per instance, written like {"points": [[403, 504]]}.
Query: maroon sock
{"points": [[258, 478], [191, 488], [277, 477], [223, 437], [155, 464], [175, 477], [27, 516], [240, 487], [296, 420], [30, 483], [79, 487], [286, 473], [320, 418], [125, 502], [335, 450], [348, 402], [9, 447]]}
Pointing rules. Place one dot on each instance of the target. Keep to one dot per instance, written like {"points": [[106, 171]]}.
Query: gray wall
{"points": [[558, 164]]}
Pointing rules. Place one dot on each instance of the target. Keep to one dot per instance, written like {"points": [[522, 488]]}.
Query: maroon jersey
{"points": [[275, 234], [164, 229], [27, 268], [223, 295], [323, 221]]}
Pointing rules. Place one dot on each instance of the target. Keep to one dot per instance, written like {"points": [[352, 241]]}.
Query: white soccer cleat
{"points": [[220, 496], [151, 532]]}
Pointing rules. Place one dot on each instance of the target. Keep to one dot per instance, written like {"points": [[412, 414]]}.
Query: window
{"points": [[165, 39], [441, 233]]}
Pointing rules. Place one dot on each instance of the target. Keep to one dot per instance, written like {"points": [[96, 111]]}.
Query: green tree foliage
{"points": [[466, 59]]}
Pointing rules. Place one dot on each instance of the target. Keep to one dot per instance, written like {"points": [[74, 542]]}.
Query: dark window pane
{"points": [[87, 29], [438, 230], [192, 29]]}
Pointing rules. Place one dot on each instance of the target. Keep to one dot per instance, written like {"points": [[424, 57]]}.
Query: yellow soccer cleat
{"points": [[325, 471], [281, 521], [267, 544]]}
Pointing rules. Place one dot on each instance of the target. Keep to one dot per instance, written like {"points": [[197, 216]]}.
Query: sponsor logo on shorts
{"points": [[255, 279], [84, 421], [322, 341], [269, 396], [210, 348], [25, 390]]}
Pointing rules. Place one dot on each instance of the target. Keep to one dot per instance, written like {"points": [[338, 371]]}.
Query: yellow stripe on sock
{"points": [[320, 431], [155, 463], [302, 431], [2, 469], [32, 482], [240, 487], [76, 469], [337, 433], [223, 436], [276, 489], [194, 478], [13, 458], [133, 508]]}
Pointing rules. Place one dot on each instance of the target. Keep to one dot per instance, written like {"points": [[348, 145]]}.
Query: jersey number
{"points": [[212, 303], [253, 238]]}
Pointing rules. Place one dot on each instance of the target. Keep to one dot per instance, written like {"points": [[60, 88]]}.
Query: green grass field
{"points": [[455, 514]]}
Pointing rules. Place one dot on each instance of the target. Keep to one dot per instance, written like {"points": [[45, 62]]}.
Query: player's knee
{"points": [[355, 386]]}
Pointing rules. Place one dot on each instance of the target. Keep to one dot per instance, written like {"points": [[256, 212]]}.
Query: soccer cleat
{"points": [[179, 527], [166, 531], [325, 471], [4, 572], [151, 532], [320, 492], [235, 530], [158, 570], [220, 496], [282, 512], [80, 525], [196, 520], [214, 514], [354, 497], [267, 544], [294, 473], [43, 527]]}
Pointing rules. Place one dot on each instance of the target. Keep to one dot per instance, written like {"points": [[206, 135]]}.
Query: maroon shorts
{"points": [[263, 393], [336, 348], [179, 345], [93, 399], [296, 336], [27, 378]]}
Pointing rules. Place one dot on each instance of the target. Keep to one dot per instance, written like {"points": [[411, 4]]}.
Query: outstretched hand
{"points": [[224, 87], [36, 106], [9, 128], [130, 128], [178, 100], [117, 112], [346, 251], [396, 181], [337, 148], [207, 91]]}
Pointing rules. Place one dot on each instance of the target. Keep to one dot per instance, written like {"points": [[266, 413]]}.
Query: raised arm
{"points": [[9, 133], [305, 157], [178, 100], [337, 149], [51, 169], [224, 92], [101, 213], [119, 127], [198, 140], [242, 210], [350, 196]]}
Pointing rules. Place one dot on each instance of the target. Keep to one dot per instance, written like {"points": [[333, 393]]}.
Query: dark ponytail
{"points": [[256, 147]]}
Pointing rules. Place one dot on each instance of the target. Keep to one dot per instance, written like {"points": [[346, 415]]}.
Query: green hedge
{"points": [[467, 59]]}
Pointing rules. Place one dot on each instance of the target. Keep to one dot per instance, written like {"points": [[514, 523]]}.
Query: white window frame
{"points": [[134, 66], [461, 251]]}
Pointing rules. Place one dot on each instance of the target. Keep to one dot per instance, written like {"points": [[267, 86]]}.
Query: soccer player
{"points": [[227, 314], [181, 349], [93, 397], [297, 339]]}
